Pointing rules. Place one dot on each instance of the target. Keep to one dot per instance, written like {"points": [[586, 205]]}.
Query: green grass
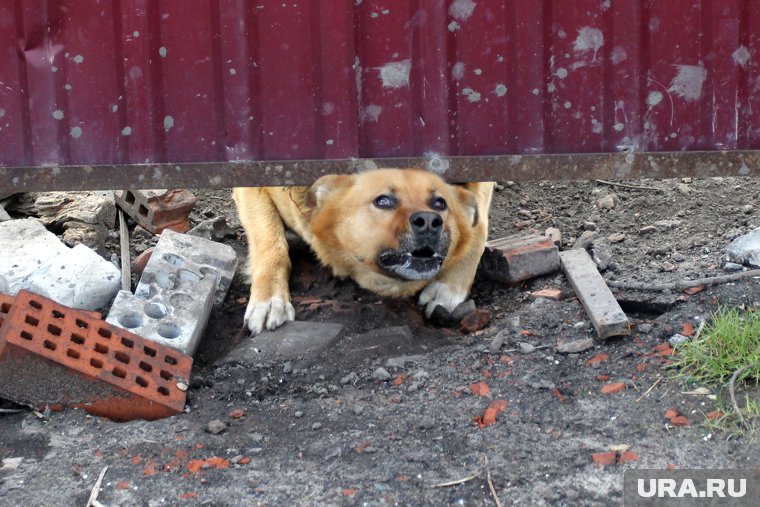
{"points": [[729, 341]]}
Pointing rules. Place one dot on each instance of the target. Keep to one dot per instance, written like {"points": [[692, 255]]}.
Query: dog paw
{"points": [[439, 293], [269, 314]]}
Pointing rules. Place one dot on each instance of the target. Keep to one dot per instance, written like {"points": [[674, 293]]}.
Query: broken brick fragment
{"points": [[613, 388], [495, 408], [675, 417], [597, 359], [480, 388], [156, 210], [236, 413], [475, 321], [714, 416], [627, 456], [553, 294], [604, 458]]}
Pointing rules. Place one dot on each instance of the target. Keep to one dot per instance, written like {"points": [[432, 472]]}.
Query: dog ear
{"points": [[469, 203], [324, 186]]}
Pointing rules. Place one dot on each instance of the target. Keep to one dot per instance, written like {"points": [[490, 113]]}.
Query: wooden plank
{"points": [[597, 299]]}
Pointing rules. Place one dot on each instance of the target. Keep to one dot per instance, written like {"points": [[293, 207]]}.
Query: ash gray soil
{"points": [[335, 431]]}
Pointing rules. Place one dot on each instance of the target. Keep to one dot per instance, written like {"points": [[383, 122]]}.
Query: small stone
{"points": [[589, 226], [526, 348], [216, 426], [607, 202], [579, 325], [525, 212], [514, 324], [644, 327], [601, 254], [616, 237], [316, 426], [498, 187], [554, 234], [585, 240], [678, 339], [497, 342], [257, 437], [667, 224], [358, 409], [648, 229], [349, 379], [748, 209], [683, 188], [668, 267], [732, 266], [287, 367], [575, 346], [298, 414], [381, 374], [215, 229], [524, 224]]}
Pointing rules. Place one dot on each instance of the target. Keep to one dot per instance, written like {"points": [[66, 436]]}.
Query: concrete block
{"points": [[78, 278], [592, 291], [294, 340], [51, 355], [177, 289], [157, 210], [745, 249], [513, 259], [26, 245]]}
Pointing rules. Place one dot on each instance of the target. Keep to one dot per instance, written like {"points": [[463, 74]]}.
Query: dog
{"points": [[396, 232]]}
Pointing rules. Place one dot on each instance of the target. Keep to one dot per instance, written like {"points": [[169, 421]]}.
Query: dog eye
{"points": [[438, 204], [384, 202]]}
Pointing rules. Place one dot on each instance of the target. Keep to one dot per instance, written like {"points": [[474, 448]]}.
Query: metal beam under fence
{"points": [[585, 166]]}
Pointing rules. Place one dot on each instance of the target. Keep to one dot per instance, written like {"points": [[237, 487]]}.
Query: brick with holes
{"points": [[157, 210], [53, 355], [6, 302]]}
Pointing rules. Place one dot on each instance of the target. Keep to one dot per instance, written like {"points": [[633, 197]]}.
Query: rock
{"points": [[601, 254], [589, 226], [316, 426], [648, 229], [668, 267], [85, 217], [607, 202], [216, 427], [381, 374], [678, 339], [427, 422], [141, 234], [526, 348], [215, 229], [644, 327], [667, 224], [497, 342], [616, 237], [745, 249], [400, 361], [575, 346], [683, 188], [475, 321], [585, 240], [4, 216], [350, 378], [554, 234], [747, 209], [732, 267]]}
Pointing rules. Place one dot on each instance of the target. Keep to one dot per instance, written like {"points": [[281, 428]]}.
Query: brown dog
{"points": [[396, 232]]}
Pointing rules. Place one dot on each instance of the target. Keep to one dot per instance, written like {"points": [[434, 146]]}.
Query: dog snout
{"points": [[426, 223]]}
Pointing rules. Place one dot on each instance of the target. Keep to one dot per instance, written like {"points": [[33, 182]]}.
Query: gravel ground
{"points": [[397, 408]]}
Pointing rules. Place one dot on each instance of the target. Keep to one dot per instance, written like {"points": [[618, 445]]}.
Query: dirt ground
{"points": [[338, 430]]}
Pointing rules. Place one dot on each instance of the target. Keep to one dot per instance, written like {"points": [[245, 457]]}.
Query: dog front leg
{"points": [[269, 266]]}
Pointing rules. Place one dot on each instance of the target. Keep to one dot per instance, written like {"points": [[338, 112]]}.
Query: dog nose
{"points": [[426, 223]]}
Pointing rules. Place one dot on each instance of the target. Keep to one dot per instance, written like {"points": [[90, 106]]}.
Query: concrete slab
{"points": [[592, 291], [295, 340], [78, 278], [25, 245]]}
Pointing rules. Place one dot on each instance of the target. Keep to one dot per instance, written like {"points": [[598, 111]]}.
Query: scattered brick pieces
{"points": [[495, 408], [197, 465], [156, 210], [694, 290], [51, 355], [675, 417], [558, 395], [236, 413], [688, 329], [627, 456], [613, 388], [604, 458], [642, 366], [122, 485], [349, 492], [516, 258], [602, 378], [480, 388], [188, 496], [245, 460], [714, 416], [553, 294], [597, 359], [663, 349]]}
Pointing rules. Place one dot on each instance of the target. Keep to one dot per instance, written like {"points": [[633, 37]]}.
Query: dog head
{"points": [[389, 229]]}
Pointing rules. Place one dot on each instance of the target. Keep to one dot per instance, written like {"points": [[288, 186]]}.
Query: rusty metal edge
{"points": [[580, 166]]}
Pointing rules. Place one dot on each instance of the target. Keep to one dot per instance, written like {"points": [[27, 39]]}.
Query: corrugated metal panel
{"points": [[135, 81]]}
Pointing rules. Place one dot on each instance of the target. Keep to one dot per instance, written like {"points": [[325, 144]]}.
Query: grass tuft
{"points": [[729, 342]]}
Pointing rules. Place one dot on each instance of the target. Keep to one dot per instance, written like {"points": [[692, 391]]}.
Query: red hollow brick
{"points": [[54, 355], [157, 210]]}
